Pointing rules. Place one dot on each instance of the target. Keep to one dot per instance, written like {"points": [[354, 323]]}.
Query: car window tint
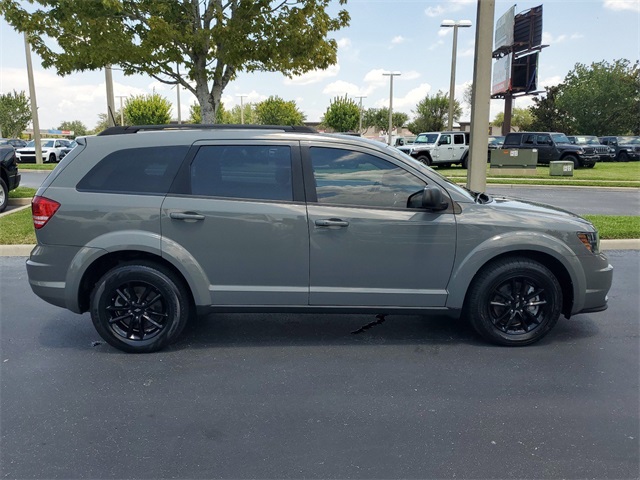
{"points": [[135, 170], [243, 171], [445, 140], [458, 139], [346, 177], [512, 140], [528, 139], [544, 140]]}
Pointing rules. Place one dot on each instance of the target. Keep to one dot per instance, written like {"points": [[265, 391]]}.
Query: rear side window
{"points": [[458, 139], [512, 140], [243, 171], [135, 170]]}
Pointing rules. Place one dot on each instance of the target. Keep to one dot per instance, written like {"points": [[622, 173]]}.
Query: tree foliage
{"points": [[379, 118], [432, 113], [213, 41], [342, 115], [276, 111], [520, 117], [602, 98], [15, 113], [547, 115], [103, 121], [222, 116], [79, 129], [151, 109]]}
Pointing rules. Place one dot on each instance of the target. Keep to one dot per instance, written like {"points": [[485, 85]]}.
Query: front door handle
{"points": [[331, 222], [187, 216]]}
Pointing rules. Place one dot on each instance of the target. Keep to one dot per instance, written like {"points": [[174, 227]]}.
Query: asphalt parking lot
{"points": [[300, 396]]}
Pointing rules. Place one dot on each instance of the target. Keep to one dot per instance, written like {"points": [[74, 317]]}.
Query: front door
{"points": [[366, 247]]}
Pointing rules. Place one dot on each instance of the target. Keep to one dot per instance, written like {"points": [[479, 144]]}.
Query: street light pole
{"points": [[391, 75], [452, 84], [121, 108], [360, 121], [32, 101], [242, 97]]}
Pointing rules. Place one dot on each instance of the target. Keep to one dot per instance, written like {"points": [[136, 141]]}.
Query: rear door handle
{"points": [[187, 216], [331, 222]]}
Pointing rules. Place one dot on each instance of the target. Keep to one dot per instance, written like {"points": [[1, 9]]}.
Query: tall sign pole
{"points": [[111, 103], [391, 75], [32, 100], [481, 97]]}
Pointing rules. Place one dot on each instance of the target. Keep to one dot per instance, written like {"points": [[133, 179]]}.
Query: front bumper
{"points": [[599, 276]]}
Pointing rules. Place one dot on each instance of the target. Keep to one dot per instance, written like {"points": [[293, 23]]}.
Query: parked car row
{"points": [[624, 148]]}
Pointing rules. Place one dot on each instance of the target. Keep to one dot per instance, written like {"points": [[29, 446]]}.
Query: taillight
{"points": [[43, 209]]}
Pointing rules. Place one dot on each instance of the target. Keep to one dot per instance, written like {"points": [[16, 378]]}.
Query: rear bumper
{"points": [[14, 181]]}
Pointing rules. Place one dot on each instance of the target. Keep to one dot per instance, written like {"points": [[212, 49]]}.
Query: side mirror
{"points": [[429, 198]]}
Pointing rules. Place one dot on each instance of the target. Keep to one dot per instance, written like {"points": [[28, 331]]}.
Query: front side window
{"points": [[243, 171], [346, 177], [528, 139], [546, 140], [445, 140]]}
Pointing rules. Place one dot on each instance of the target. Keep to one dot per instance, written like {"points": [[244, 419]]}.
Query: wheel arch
{"points": [[562, 263]]}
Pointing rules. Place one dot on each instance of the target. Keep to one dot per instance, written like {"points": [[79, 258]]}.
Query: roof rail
{"points": [[122, 130]]}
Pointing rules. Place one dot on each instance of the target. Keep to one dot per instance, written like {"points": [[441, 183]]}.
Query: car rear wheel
{"points": [[514, 301], [623, 157], [139, 308], [4, 195]]}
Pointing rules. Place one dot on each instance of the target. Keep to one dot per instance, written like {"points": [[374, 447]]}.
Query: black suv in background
{"points": [[625, 148], [552, 146], [605, 152], [9, 176]]}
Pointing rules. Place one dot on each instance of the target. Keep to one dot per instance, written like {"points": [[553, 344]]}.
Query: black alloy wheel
{"points": [[514, 301], [140, 308]]}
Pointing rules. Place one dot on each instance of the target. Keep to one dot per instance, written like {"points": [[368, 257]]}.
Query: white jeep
{"points": [[439, 148]]}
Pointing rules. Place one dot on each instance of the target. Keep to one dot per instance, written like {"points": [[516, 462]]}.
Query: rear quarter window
{"points": [[148, 170], [512, 140]]}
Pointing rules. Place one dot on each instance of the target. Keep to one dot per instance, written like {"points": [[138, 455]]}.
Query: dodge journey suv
{"points": [[146, 227]]}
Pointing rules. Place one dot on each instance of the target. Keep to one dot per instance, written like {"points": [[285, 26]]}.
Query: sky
{"points": [[384, 35]]}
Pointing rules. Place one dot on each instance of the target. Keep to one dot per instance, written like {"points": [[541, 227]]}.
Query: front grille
{"points": [[601, 149], [588, 150]]}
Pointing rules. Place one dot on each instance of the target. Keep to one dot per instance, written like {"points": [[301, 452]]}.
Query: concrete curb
{"points": [[631, 244], [20, 201]]}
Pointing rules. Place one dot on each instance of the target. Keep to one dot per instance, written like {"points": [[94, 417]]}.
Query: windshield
{"points": [[426, 138], [44, 143], [629, 140], [560, 138], [587, 140]]}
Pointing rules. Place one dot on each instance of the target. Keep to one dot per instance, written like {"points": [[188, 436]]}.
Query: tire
{"points": [[502, 317], [139, 308], [623, 157], [52, 158], [574, 159], [464, 163], [424, 159], [4, 195]]}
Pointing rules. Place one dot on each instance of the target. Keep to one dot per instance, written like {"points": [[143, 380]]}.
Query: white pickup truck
{"points": [[439, 148]]}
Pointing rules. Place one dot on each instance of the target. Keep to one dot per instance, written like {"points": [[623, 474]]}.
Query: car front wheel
{"points": [[514, 301], [139, 308]]}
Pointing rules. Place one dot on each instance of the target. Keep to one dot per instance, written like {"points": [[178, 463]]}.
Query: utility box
{"points": [[561, 169], [514, 158]]}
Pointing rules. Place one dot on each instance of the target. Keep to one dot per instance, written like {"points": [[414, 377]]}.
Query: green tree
{"points": [[547, 114], [602, 98], [276, 111], [342, 115], [79, 129], [151, 109], [379, 118], [103, 123], [222, 116], [212, 40], [432, 113], [248, 115], [15, 113], [520, 117]]}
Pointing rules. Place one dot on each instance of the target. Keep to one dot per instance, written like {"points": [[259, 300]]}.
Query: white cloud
{"points": [[314, 76], [398, 40], [407, 102], [344, 43], [434, 11], [550, 81], [375, 78], [450, 6], [549, 39], [340, 88], [622, 5], [410, 75]]}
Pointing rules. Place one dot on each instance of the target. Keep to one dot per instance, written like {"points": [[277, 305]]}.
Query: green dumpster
{"points": [[561, 168], [514, 158]]}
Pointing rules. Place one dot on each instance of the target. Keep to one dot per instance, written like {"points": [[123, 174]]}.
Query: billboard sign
{"points": [[525, 74], [501, 75], [527, 29], [504, 29]]}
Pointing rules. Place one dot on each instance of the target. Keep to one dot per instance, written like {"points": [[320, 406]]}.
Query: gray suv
{"points": [[145, 227]]}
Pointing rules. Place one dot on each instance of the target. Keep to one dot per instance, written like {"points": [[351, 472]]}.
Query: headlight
{"points": [[591, 240], [612, 150], [580, 150]]}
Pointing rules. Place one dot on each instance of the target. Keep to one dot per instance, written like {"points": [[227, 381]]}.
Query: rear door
{"points": [[459, 145], [366, 247], [238, 209]]}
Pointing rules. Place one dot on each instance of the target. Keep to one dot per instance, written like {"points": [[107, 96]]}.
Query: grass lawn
{"points": [[35, 166], [606, 174], [17, 228], [616, 227], [22, 192]]}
